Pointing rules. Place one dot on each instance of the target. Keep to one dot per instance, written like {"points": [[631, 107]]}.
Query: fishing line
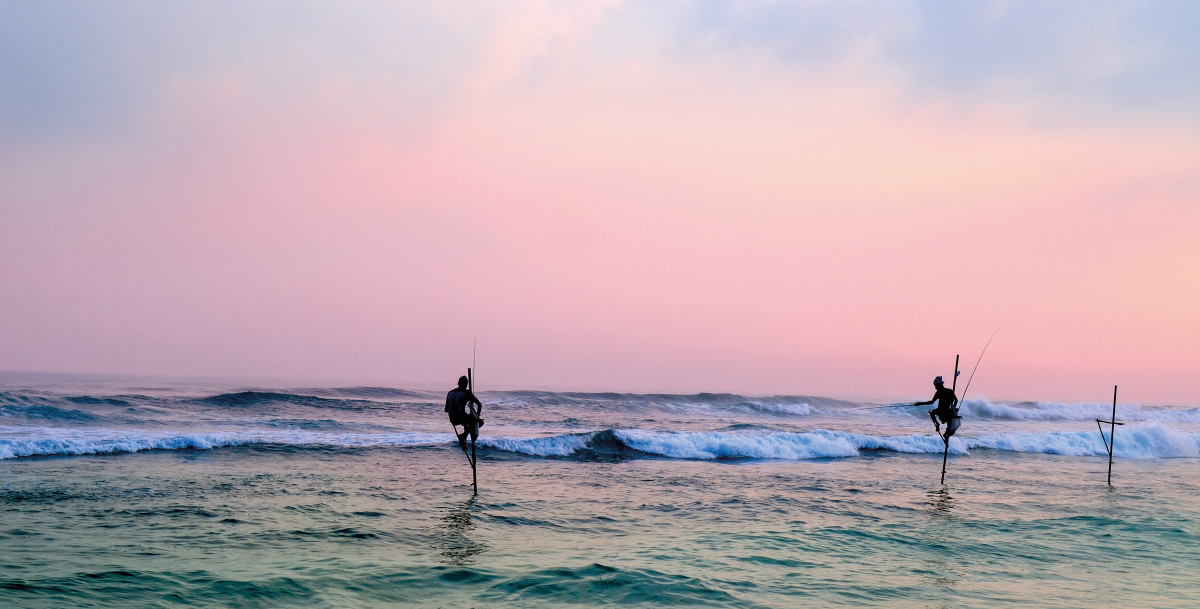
{"points": [[972, 377]]}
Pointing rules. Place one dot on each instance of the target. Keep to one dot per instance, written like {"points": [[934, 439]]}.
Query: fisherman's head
{"points": [[463, 381], [937, 382]]}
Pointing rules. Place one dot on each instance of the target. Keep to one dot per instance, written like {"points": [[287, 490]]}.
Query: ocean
{"points": [[119, 492]]}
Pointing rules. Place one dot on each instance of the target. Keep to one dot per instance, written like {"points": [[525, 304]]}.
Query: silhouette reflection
{"points": [[941, 504], [452, 536], [940, 573]]}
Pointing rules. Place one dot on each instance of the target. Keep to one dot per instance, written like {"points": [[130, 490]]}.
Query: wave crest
{"points": [[1087, 411], [29, 442], [1146, 441], [1149, 441]]}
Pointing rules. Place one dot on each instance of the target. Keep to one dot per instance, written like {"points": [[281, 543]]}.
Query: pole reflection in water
{"points": [[937, 572], [941, 504], [452, 536]]}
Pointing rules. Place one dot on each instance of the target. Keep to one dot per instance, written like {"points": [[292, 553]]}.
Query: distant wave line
{"points": [[1145, 441]]}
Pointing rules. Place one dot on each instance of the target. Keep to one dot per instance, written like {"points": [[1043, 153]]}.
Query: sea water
{"points": [[149, 493]]}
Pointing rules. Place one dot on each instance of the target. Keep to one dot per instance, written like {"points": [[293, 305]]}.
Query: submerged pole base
{"points": [[474, 471], [945, 455]]}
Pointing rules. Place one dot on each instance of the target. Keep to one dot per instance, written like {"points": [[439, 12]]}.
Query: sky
{"points": [[812, 197]]}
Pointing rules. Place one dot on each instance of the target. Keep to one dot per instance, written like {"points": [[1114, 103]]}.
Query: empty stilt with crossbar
{"points": [[1111, 440]]}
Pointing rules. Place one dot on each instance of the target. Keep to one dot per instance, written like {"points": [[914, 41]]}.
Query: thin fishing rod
{"points": [[904, 405], [972, 377]]}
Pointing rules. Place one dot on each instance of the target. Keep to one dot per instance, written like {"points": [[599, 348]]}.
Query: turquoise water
{"points": [[379, 512]]}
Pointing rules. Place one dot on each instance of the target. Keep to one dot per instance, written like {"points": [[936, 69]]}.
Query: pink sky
{"points": [[606, 207]]}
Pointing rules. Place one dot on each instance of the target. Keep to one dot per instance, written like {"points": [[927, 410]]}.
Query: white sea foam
{"points": [[794, 409], [1191, 415], [32, 444], [555, 446], [1148, 441], [1051, 411], [31, 441], [781, 445], [715, 445], [1145, 441]]}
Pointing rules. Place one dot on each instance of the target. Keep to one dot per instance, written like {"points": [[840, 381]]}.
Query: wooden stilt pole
{"points": [[946, 451], [474, 472], [1111, 441], [1112, 435], [954, 383]]}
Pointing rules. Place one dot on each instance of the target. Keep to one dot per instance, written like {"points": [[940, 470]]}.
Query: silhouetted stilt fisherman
{"points": [[946, 411], [461, 405]]}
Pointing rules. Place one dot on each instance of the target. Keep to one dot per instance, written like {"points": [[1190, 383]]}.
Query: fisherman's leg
{"points": [[474, 430], [462, 437]]}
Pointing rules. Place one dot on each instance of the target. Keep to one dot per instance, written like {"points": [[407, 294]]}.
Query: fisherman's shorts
{"points": [[952, 426], [466, 421]]}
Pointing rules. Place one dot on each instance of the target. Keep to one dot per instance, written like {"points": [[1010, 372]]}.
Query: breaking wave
{"points": [[792, 409], [28, 442], [1051, 411], [1145, 441], [555, 446]]}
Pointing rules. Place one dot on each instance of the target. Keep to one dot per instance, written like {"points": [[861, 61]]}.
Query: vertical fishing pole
{"points": [[954, 383], [478, 415], [946, 450], [471, 389], [1111, 441]]}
